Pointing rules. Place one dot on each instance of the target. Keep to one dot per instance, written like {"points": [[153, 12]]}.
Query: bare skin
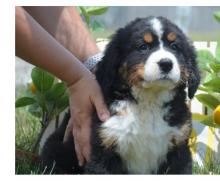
{"points": [[66, 26], [47, 50]]}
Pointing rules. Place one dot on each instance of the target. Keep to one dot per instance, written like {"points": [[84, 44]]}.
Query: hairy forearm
{"points": [[38, 47], [65, 24]]}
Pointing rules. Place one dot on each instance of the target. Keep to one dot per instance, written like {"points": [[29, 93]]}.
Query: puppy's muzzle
{"points": [[165, 65]]}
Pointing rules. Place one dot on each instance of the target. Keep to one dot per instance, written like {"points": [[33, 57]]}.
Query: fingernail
{"points": [[104, 116], [80, 164]]}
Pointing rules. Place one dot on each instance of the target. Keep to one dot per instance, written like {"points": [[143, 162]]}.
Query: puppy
{"points": [[148, 70]]}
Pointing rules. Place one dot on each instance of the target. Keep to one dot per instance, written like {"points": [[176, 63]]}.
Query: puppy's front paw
{"points": [[95, 169]]}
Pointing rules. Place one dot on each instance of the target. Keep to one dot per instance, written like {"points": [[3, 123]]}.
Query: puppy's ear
{"points": [[193, 72], [107, 69]]}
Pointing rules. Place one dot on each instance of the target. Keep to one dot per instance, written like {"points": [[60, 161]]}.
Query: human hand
{"points": [[85, 95]]}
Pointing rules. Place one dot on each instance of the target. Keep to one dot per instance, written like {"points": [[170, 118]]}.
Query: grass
{"points": [[27, 129], [212, 168], [24, 166]]}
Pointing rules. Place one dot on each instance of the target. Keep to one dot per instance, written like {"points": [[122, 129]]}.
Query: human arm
{"points": [[67, 27], [38, 47]]}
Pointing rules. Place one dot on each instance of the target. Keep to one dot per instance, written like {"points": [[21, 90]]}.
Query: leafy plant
{"points": [[210, 65], [45, 97], [88, 12]]}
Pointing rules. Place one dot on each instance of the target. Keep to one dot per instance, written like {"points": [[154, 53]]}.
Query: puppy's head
{"points": [[148, 53]]}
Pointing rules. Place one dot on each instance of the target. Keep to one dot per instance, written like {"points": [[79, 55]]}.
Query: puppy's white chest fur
{"points": [[142, 135]]}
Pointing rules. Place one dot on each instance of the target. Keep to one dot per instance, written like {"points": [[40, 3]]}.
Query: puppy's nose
{"points": [[165, 65]]}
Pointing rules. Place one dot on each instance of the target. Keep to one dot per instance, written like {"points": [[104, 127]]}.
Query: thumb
{"points": [[101, 107]]}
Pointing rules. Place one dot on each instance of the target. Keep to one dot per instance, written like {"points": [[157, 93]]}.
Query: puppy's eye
{"points": [[143, 47], [173, 46]]}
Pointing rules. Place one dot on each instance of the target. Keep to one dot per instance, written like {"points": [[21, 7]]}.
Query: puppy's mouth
{"points": [[162, 82], [139, 77]]}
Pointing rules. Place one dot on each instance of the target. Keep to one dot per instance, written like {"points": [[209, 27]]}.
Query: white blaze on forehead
{"points": [[161, 54], [157, 27]]}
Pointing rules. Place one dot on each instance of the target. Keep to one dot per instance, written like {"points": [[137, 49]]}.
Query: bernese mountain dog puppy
{"points": [[148, 70]]}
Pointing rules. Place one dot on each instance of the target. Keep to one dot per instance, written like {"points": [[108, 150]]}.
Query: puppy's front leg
{"points": [[95, 168], [108, 163], [179, 161]]}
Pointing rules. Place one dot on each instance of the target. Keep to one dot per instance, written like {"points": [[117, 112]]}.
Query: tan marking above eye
{"points": [[171, 36], [148, 38]]}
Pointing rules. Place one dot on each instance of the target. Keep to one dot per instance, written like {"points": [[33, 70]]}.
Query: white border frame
{"points": [[7, 78]]}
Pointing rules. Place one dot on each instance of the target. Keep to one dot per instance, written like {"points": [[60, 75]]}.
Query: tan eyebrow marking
{"points": [[148, 38], [171, 36]]}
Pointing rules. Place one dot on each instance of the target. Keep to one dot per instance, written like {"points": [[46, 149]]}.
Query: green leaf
{"points": [[56, 91], [42, 79], [199, 117], [204, 57], [50, 106], [24, 101], [203, 89], [207, 120], [35, 110], [96, 26], [215, 67], [41, 101], [217, 16], [209, 77], [79, 10], [97, 10], [62, 103], [53, 96], [86, 15], [213, 84], [208, 100], [217, 52]]}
